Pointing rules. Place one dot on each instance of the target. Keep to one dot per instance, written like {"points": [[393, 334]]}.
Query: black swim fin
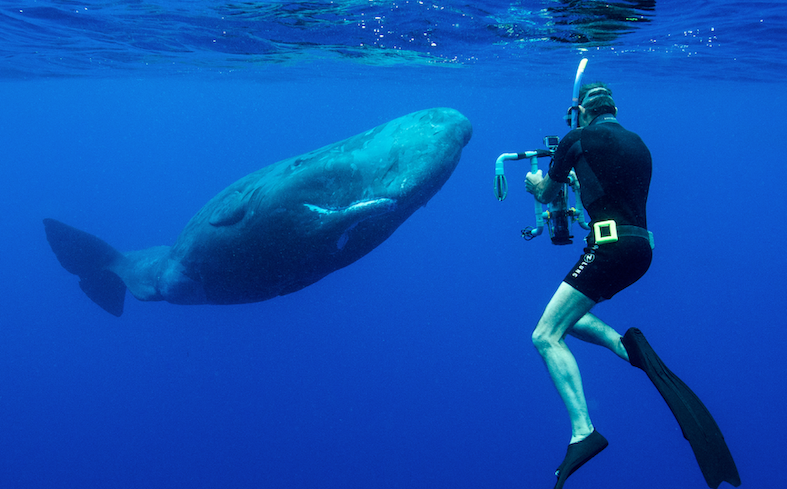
{"points": [[578, 454], [86, 255], [699, 427]]}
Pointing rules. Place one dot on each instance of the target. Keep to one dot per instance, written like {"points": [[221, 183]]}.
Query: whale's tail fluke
{"points": [[89, 257]]}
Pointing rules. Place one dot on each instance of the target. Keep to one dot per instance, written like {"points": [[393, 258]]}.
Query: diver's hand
{"points": [[543, 188], [533, 180]]}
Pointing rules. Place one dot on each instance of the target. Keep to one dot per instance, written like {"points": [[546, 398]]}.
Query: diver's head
{"points": [[594, 99]]}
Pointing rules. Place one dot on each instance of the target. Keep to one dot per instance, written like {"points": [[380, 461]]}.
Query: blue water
{"points": [[412, 367]]}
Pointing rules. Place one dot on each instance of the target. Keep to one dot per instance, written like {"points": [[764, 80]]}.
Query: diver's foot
{"points": [[577, 454]]}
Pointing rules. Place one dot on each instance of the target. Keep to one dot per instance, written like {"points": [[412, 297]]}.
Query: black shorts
{"points": [[606, 269]]}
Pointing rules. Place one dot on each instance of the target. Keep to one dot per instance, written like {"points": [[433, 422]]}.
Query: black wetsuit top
{"points": [[613, 166]]}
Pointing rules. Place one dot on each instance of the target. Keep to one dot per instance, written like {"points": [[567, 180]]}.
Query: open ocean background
{"points": [[413, 367]]}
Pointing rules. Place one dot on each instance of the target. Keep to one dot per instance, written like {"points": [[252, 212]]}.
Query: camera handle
{"points": [[501, 185], [543, 215]]}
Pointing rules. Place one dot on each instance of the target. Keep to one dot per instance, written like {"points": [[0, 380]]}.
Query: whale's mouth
{"points": [[371, 207], [354, 214]]}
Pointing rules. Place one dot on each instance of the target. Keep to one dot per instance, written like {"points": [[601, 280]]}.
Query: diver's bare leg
{"points": [[593, 330], [566, 307]]}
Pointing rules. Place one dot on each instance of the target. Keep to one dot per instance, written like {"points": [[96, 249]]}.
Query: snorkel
{"points": [[574, 110], [559, 212], [558, 216]]}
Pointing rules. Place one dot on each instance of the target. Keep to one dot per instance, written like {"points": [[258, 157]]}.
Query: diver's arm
{"points": [[543, 188]]}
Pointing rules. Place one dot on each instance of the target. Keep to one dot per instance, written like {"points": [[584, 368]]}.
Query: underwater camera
{"points": [[557, 215]]}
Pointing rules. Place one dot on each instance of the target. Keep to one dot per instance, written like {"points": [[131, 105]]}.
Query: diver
{"points": [[613, 166]]}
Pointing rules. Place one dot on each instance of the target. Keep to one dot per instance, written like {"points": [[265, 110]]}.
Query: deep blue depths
{"points": [[412, 367]]}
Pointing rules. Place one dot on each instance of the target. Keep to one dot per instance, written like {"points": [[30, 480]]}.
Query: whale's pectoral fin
{"points": [[88, 257], [230, 211]]}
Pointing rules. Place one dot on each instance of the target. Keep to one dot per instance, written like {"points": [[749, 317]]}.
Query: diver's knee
{"points": [[542, 340]]}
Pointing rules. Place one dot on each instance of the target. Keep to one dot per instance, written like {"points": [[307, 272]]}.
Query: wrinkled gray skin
{"points": [[292, 223]]}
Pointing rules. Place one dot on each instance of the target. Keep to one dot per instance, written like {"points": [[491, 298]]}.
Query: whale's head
{"points": [[366, 186], [421, 150], [380, 177]]}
